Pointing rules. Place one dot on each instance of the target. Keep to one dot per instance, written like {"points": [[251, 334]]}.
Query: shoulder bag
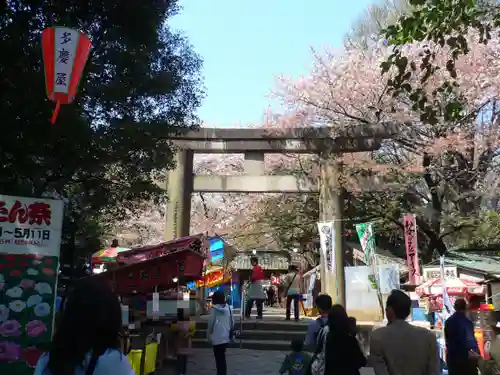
{"points": [[290, 284]]}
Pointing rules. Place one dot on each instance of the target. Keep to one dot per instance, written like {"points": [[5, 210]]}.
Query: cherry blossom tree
{"points": [[223, 214], [434, 169]]}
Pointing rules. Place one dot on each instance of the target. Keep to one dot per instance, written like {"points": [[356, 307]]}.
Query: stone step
{"points": [[247, 344], [264, 325], [263, 335]]}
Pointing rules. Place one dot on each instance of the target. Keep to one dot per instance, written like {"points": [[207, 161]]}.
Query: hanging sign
{"points": [[410, 228], [326, 239], [367, 240], [65, 53], [30, 239]]}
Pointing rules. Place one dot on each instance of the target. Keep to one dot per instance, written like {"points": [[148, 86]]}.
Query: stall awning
{"points": [[198, 243], [454, 286], [184, 264]]}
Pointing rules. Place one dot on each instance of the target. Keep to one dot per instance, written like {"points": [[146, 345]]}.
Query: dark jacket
{"points": [[459, 336], [343, 354]]}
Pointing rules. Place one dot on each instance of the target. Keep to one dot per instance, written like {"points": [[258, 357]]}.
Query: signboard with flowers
{"points": [[30, 236]]}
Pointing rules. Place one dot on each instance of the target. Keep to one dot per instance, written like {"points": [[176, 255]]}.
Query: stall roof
{"points": [[268, 260], [143, 253], [144, 264], [475, 261]]}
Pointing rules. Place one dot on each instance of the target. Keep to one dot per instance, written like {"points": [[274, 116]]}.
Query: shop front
{"points": [[431, 295], [217, 272]]}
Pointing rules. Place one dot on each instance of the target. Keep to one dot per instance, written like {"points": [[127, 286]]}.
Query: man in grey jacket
{"points": [[401, 348]]}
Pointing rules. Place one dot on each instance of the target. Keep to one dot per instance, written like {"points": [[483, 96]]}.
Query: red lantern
{"points": [[65, 53]]}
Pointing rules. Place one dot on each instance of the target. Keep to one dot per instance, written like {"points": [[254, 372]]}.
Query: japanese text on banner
{"points": [[30, 225], [66, 41], [326, 238], [410, 228]]}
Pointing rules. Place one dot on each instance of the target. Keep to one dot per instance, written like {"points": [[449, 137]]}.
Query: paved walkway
{"points": [[239, 362]]}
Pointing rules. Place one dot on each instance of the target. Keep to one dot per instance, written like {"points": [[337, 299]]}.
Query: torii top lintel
{"points": [[363, 137]]}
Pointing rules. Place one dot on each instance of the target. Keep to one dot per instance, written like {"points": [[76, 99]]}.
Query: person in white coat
{"points": [[220, 329]]}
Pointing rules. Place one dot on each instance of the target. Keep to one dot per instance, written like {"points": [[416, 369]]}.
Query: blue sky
{"points": [[245, 44]]}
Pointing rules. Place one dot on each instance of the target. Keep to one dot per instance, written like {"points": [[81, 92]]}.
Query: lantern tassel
{"points": [[56, 112]]}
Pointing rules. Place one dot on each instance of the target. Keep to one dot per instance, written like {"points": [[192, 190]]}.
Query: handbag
{"points": [[317, 364], [232, 332], [289, 285]]}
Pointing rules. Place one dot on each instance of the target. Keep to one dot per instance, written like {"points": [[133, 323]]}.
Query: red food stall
{"points": [[145, 268]]}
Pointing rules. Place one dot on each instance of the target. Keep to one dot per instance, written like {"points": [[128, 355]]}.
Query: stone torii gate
{"points": [[254, 144]]}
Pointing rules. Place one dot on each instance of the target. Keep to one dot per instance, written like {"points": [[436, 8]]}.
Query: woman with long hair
{"points": [[338, 351], [87, 338]]}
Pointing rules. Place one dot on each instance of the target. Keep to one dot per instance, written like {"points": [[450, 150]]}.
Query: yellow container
{"points": [[150, 362], [192, 328]]}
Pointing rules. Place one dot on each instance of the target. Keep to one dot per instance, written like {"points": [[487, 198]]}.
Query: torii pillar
{"points": [[179, 192]]}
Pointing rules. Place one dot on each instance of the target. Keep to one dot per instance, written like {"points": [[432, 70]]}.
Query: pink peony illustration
{"points": [[9, 351], [48, 271], [10, 328], [27, 284], [35, 328]]}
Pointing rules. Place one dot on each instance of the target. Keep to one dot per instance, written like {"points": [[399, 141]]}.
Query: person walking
{"points": [[401, 348], [256, 290], [462, 351], [291, 282], [87, 339], [337, 350], [324, 305], [270, 296], [220, 329]]}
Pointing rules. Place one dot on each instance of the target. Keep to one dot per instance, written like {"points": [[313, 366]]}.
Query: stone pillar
{"points": [[179, 190], [331, 208]]}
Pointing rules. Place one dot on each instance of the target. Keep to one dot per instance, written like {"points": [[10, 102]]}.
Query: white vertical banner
{"points": [[447, 305], [156, 305], [332, 249], [327, 245]]}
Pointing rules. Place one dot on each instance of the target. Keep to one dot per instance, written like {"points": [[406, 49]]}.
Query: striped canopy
{"points": [[107, 255]]}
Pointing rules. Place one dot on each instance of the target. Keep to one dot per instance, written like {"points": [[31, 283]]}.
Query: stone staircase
{"points": [[273, 332], [259, 336]]}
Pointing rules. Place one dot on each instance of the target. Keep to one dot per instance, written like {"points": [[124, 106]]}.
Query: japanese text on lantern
{"points": [[29, 223], [410, 229], [66, 41]]}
